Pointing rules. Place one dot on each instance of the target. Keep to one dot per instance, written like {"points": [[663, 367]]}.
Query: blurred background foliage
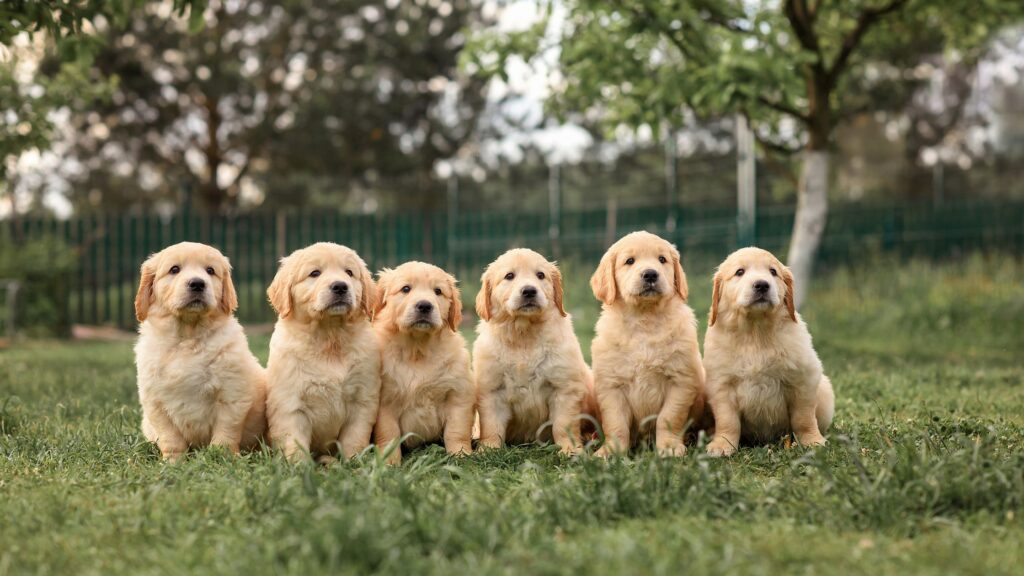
{"points": [[373, 105]]}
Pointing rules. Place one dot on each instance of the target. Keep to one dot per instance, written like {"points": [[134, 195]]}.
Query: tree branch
{"points": [[868, 18], [802, 21], [783, 108]]}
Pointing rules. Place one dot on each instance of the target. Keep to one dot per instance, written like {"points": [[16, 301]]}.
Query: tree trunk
{"points": [[809, 224]]}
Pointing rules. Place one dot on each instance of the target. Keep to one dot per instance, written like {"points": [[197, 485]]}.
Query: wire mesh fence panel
{"points": [[109, 249]]}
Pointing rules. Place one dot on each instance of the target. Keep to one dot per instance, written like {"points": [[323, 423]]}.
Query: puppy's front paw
{"points": [[460, 449], [569, 450], [607, 451], [325, 460], [811, 439], [491, 443], [172, 452], [672, 451], [721, 447], [172, 456]]}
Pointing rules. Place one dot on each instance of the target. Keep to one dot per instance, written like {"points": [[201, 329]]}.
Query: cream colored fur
{"points": [[764, 378], [426, 387], [198, 382], [532, 381], [323, 373], [647, 366]]}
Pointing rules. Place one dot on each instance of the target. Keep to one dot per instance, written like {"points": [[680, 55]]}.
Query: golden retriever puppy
{"points": [[426, 387], [198, 382], [532, 381], [764, 378], [323, 374], [646, 358]]}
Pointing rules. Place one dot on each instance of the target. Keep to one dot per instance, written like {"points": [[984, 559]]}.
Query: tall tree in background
{"points": [[357, 94], [795, 68], [68, 29]]}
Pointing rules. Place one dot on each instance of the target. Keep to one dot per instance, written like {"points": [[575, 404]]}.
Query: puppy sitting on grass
{"points": [[323, 374], [646, 359], [764, 378], [532, 381], [426, 388], [198, 382]]}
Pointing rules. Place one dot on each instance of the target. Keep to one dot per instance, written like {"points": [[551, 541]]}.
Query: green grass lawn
{"points": [[924, 471]]}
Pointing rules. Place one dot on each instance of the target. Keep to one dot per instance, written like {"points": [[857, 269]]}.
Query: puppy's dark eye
{"points": [[630, 261], [349, 272], [540, 275], [175, 269], [510, 275], [406, 289], [740, 272], [314, 274], [210, 272], [437, 291], [773, 271], [662, 259]]}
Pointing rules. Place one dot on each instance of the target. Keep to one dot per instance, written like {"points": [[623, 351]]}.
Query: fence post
{"points": [[746, 185], [281, 234], [938, 183], [453, 218], [671, 183], [555, 208], [611, 222]]}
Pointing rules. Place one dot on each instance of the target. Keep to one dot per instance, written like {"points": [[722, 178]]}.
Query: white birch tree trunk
{"points": [[809, 224]]}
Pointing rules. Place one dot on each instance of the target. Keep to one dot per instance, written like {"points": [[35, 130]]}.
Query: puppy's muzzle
{"points": [[424, 315], [528, 298], [196, 295], [760, 293], [650, 279], [341, 295]]}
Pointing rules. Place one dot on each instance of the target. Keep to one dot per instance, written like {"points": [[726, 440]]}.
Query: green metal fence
{"points": [[110, 248]]}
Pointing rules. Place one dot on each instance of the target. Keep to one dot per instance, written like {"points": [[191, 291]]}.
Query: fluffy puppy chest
{"points": [[191, 368], [653, 347], [409, 383], [187, 381], [526, 386], [327, 381], [418, 394], [747, 358], [321, 375]]}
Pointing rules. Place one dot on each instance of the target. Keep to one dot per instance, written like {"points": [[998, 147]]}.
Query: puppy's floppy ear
{"points": [[383, 286], [228, 296], [483, 297], [369, 297], [680, 277], [144, 297], [280, 292], [787, 279], [455, 308], [716, 297], [603, 281], [556, 281]]}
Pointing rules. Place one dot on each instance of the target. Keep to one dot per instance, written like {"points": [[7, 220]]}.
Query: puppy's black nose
{"points": [[339, 288], [760, 286], [529, 292], [424, 307], [650, 276], [197, 285]]}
